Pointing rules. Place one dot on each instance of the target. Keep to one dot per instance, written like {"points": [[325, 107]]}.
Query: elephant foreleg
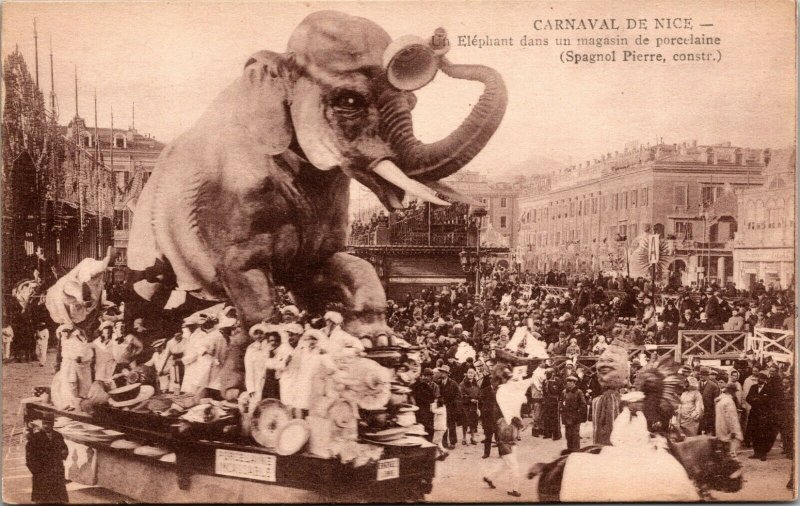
{"points": [[245, 274], [351, 282]]}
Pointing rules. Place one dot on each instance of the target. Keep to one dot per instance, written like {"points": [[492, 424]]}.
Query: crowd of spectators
{"points": [[461, 339]]}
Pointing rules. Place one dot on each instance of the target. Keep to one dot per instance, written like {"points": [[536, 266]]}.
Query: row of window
{"points": [[589, 206], [583, 236], [123, 177], [120, 141], [503, 202]]}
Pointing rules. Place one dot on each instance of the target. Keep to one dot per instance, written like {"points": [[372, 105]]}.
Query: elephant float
{"points": [[256, 194]]}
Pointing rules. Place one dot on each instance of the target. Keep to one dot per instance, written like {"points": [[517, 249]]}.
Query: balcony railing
{"points": [[421, 226]]}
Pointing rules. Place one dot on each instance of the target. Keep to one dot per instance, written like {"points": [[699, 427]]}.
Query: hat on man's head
{"points": [[293, 328], [261, 327], [291, 309], [443, 368], [226, 322], [333, 316]]}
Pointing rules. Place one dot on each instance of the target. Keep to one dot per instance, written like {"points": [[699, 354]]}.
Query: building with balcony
{"points": [[132, 156], [593, 212], [500, 201], [764, 248]]}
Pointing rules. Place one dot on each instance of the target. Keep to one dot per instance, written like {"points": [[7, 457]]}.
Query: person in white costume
{"points": [[636, 467], [527, 343], [510, 396]]}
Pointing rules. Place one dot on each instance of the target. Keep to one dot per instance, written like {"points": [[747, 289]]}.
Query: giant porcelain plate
{"points": [[269, 417]]}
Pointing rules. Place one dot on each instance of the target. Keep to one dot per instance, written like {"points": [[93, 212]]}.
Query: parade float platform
{"points": [[206, 471]]}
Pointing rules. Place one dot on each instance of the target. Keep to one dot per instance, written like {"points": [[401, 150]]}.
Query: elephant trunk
{"points": [[430, 162]]}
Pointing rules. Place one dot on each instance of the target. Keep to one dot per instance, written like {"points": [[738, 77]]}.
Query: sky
{"points": [[172, 59]]}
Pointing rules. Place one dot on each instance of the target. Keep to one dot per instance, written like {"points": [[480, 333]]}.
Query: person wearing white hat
{"points": [[255, 363], [199, 357], [219, 339], [104, 364], [293, 331], [126, 348], [76, 365], [161, 361], [290, 314], [339, 342], [306, 360], [176, 345]]}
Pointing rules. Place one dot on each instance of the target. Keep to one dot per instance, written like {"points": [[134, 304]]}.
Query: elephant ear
{"points": [[261, 101]]}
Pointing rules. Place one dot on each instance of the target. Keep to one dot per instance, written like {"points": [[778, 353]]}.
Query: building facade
{"points": [[132, 156], [501, 200], [590, 216], [764, 249]]}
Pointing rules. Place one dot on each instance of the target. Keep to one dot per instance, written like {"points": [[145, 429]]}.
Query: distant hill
{"points": [[514, 171]]}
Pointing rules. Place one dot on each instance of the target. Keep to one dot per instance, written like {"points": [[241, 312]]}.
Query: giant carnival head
{"points": [[613, 370]]}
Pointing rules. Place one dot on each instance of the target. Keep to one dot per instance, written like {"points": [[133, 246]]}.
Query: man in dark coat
{"points": [[714, 311], [762, 423], [709, 390], [45, 453], [451, 397], [489, 411], [573, 413], [551, 394], [425, 392], [670, 314]]}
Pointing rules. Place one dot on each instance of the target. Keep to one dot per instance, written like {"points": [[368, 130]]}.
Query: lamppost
{"points": [[620, 239], [468, 263]]}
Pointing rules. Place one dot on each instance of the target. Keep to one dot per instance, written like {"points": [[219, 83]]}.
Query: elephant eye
{"points": [[349, 102]]}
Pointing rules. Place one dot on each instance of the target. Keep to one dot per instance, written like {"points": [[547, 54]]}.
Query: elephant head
{"points": [[334, 99]]}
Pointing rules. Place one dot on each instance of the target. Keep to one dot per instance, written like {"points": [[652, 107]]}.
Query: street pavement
{"points": [[457, 479]]}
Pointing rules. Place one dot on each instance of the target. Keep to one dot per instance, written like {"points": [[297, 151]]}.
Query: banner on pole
{"points": [[654, 249]]}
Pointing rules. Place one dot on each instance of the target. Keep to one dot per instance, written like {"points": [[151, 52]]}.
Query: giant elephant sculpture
{"points": [[256, 194]]}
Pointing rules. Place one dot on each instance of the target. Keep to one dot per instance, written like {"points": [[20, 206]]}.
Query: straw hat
{"points": [[130, 395], [263, 327], [334, 317]]}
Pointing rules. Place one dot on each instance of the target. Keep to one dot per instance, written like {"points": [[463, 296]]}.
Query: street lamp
{"points": [[620, 239], [477, 214]]}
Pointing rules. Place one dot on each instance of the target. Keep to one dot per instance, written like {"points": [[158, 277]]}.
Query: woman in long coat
{"points": [[470, 397], [551, 391], [727, 418], [690, 410]]}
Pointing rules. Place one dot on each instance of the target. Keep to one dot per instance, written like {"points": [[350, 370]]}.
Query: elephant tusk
{"points": [[736, 474], [392, 173]]}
